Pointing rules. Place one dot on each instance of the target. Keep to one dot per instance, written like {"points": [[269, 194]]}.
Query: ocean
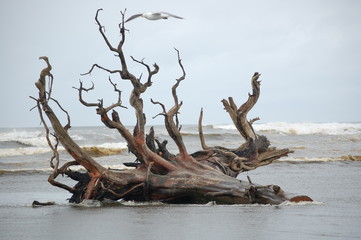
{"points": [[325, 165]]}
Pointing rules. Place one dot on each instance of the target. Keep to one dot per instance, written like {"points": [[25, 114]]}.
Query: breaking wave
{"points": [[48, 170], [302, 128], [105, 149], [11, 152], [23, 137]]}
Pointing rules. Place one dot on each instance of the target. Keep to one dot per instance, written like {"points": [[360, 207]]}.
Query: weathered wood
{"points": [[40, 204], [206, 175]]}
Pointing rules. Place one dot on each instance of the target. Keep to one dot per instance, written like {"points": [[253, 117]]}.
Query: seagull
{"points": [[153, 16]]}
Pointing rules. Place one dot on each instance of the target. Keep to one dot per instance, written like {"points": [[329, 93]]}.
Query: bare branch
{"points": [[51, 79], [232, 104], [100, 67], [40, 84], [174, 110], [150, 72], [122, 32], [174, 88], [119, 52], [67, 126], [55, 156], [162, 105], [171, 126], [80, 90], [200, 131], [253, 120], [239, 116], [47, 132], [102, 32], [119, 102], [121, 25], [70, 146], [252, 99]]}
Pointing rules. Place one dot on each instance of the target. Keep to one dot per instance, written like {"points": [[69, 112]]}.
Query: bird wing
{"points": [[171, 15], [134, 16]]}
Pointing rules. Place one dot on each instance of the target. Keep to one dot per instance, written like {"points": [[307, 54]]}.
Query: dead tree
{"points": [[158, 175]]}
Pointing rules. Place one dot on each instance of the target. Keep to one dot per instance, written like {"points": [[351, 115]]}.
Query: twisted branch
{"points": [[67, 126], [119, 102], [101, 30], [171, 126], [150, 72], [100, 67], [80, 90], [239, 116]]}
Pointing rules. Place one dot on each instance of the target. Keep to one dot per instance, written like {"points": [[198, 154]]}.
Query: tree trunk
{"points": [[204, 176]]}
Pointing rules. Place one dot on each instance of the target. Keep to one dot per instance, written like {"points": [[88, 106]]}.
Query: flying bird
{"points": [[153, 16]]}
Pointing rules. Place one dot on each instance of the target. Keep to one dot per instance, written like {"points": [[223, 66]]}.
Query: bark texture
{"points": [[157, 174]]}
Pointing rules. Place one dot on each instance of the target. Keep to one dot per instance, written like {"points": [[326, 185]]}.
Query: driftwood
{"points": [[158, 175], [40, 204]]}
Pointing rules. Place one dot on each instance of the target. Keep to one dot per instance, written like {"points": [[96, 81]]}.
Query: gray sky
{"points": [[308, 52]]}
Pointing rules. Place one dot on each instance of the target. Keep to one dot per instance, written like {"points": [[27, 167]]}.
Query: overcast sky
{"points": [[307, 51]]}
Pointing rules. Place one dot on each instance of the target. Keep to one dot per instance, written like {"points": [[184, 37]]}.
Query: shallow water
{"points": [[316, 169], [336, 214]]}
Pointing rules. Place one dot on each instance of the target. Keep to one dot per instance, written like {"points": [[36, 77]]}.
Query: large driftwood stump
{"points": [[200, 177]]}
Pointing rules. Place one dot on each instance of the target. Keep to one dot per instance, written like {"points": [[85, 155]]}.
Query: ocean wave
{"points": [[33, 137], [104, 149], [12, 152], [225, 127], [303, 128], [24, 137], [351, 158], [115, 167], [17, 143], [26, 171]]}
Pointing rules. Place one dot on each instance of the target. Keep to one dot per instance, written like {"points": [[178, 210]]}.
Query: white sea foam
{"points": [[133, 203], [226, 127], [88, 203], [116, 145], [10, 152], [25, 137], [303, 128], [311, 128], [115, 167], [301, 203], [37, 138]]}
